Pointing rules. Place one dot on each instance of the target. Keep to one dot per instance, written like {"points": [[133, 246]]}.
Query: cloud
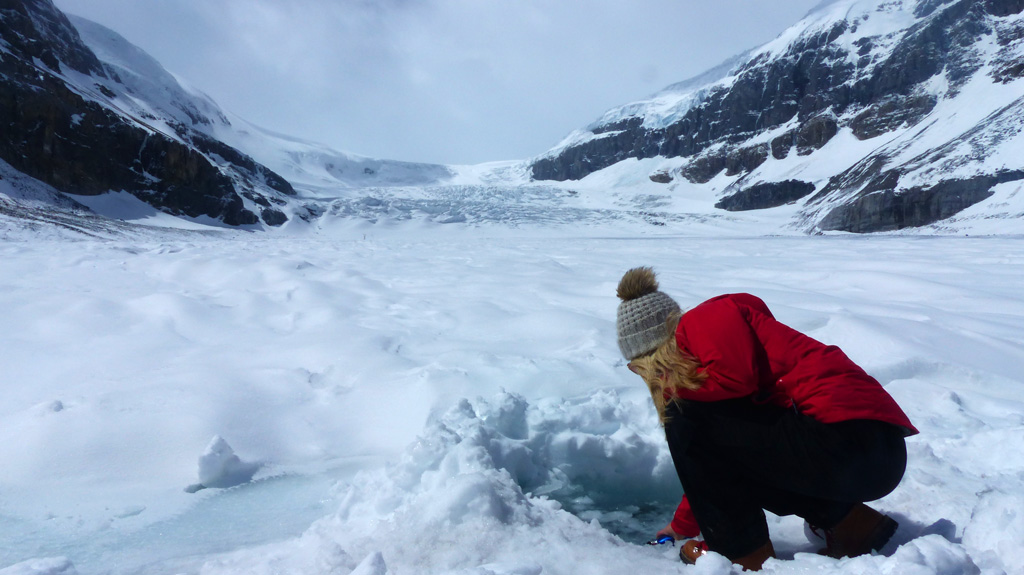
{"points": [[454, 81]]}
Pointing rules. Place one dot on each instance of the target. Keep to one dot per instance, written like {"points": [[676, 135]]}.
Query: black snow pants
{"points": [[736, 458]]}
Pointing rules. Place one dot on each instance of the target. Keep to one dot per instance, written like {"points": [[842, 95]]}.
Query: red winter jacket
{"points": [[746, 351]]}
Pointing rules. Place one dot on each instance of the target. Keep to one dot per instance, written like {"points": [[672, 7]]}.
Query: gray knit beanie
{"points": [[643, 313]]}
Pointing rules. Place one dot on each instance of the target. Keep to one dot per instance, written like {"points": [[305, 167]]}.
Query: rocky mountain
{"points": [[87, 113], [69, 121], [867, 115], [314, 169]]}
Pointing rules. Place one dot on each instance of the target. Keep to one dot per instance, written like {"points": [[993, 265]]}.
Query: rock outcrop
{"points": [[765, 195], [61, 125], [894, 72]]}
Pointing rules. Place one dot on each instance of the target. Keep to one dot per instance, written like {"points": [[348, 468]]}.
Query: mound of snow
{"points": [[220, 467], [480, 490], [326, 357], [488, 486], [372, 565]]}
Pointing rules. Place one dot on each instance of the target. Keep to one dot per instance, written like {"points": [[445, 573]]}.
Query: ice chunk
{"points": [[372, 565], [220, 467]]}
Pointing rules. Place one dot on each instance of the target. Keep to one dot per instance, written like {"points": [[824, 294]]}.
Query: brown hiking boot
{"points": [[862, 531], [693, 550]]}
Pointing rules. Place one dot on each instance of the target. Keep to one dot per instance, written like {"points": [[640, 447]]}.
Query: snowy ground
{"points": [[415, 399]]}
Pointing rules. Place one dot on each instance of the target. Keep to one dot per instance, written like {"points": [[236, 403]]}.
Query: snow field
{"points": [[458, 404]]}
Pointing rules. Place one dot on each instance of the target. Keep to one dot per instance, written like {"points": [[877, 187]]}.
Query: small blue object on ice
{"points": [[662, 540]]}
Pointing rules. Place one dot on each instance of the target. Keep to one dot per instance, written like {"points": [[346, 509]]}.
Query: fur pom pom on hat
{"points": [[643, 313]]}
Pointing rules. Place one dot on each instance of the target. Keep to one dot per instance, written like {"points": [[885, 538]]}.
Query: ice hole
{"points": [[600, 457]]}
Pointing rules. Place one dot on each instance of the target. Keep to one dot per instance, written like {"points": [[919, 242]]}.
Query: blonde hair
{"points": [[666, 370]]}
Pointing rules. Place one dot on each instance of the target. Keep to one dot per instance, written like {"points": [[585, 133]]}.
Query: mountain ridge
{"points": [[89, 113], [305, 164], [876, 70], [66, 128], [866, 116]]}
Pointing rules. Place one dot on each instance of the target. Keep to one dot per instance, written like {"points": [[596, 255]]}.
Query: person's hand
{"points": [[667, 531], [665, 535]]}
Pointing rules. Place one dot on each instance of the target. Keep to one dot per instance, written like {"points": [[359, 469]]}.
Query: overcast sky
{"points": [[446, 81]]}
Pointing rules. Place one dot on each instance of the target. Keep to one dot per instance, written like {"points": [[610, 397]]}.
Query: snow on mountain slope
{"points": [[826, 151], [868, 114], [156, 94], [321, 171], [150, 90], [67, 126]]}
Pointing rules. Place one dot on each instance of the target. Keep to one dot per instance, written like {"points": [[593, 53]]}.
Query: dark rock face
{"points": [[825, 82], [866, 197], [250, 170], [661, 177], [1007, 65], [1004, 7], [888, 113], [815, 133], [888, 210], [765, 195], [701, 169], [767, 94], [273, 217], [734, 161], [806, 138], [812, 82], [57, 135], [54, 41]]}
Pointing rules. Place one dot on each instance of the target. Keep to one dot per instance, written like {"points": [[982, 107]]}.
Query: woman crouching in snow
{"points": [[760, 416]]}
